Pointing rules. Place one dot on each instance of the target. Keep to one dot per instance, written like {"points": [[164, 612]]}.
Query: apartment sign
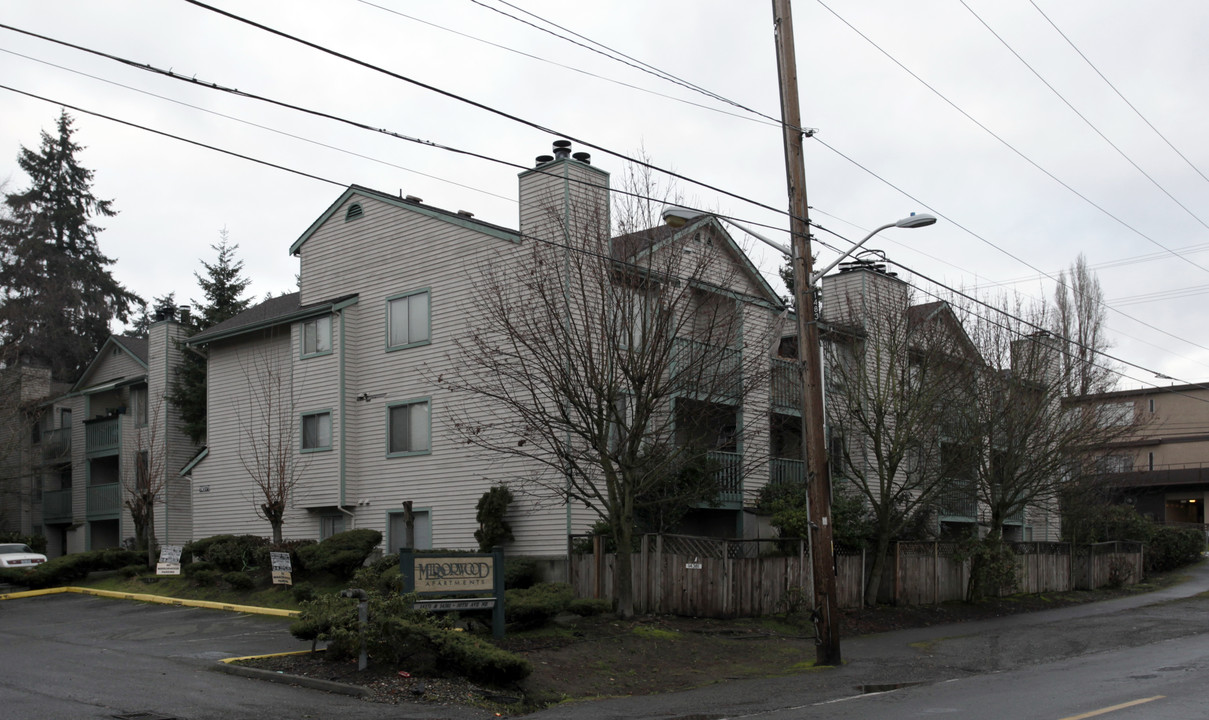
{"points": [[454, 573]]}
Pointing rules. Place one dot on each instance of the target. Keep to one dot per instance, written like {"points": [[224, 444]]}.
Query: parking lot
{"points": [[75, 656]]}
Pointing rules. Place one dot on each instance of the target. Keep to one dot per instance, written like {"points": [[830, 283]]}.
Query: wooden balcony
{"points": [[56, 506], [786, 394], [104, 501], [729, 468], [783, 471], [717, 371], [56, 445], [102, 437]]}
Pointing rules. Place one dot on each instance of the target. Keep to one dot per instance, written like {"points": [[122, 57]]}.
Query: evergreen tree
{"points": [[223, 286], [160, 307], [58, 294]]}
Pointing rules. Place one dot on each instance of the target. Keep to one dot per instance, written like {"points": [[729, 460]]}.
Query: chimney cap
{"points": [[583, 157], [543, 159]]}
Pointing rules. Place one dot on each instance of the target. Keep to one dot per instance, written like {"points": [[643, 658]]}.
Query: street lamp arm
{"points": [[814, 277]]}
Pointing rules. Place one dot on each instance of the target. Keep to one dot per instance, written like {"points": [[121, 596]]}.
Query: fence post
{"points": [[659, 573], [725, 577], [897, 570], [935, 572], [864, 578], [598, 565]]}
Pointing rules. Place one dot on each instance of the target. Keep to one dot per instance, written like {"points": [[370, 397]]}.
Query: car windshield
{"points": [[15, 548]]}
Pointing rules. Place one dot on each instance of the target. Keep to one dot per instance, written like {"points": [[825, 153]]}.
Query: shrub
{"points": [[519, 573], [229, 553], [585, 607], [303, 592], [381, 577], [396, 633], [491, 509], [36, 542], [205, 578], [341, 554], [239, 580], [196, 567], [131, 571], [68, 568], [992, 567], [535, 606], [1173, 547]]}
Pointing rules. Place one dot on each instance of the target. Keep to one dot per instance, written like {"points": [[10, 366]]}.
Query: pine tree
{"points": [[58, 294], [223, 286]]}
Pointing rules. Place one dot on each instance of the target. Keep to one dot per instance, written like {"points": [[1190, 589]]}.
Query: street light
{"points": [[818, 474]]}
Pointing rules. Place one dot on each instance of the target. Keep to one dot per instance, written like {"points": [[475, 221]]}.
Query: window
{"points": [[1151, 404], [142, 471], [64, 418], [407, 428], [317, 432], [329, 525], [421, 531], [138, 404], [317, 336], [407, 320], [1150, 461]]}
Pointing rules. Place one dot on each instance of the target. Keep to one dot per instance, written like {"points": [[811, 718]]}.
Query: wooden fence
{"points": [[707, 577]]}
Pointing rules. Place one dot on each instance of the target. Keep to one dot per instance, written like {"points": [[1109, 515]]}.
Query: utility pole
{"points": [[818, 479]]}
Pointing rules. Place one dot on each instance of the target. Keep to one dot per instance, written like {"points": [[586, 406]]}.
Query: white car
{"points": [[19, 555]]}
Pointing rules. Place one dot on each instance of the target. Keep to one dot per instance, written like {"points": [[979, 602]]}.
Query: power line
{"points": [[1083, 117], [1004, 142], [1118, 92], [479, 105]]}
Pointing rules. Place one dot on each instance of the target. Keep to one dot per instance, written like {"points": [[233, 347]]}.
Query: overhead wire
{"points": [[1118, 92], [1019, 153], [1084, 118]]}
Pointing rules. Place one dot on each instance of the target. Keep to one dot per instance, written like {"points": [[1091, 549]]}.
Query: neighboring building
{"points": [[1162, 467], [344, 374], [24, 390], [93, 442]]}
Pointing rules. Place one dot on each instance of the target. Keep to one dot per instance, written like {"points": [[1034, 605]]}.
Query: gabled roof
{"points": [[632, 247], [448, 216], [942, 312], [132, 345], [274, 311]]}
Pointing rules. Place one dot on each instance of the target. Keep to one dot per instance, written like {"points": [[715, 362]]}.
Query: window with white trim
{"points": [[317, 336], [407, 428], [317, 432], [407, 320]]}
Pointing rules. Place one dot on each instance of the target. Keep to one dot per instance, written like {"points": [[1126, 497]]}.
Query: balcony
{"points": [[782, 471], [103, 501], [959, 507], [102, 437], [56, 506], [728, 467], [56, 445], [786, 386], [709, 371]]}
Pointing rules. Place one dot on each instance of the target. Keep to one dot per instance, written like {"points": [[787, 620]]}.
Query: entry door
{"points": [[398, 530]]}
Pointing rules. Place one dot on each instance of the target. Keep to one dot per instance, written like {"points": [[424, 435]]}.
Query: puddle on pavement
{"points": [[885, 687]]}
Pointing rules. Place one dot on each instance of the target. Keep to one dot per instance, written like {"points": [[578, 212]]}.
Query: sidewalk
{"points": [[933, 654]]}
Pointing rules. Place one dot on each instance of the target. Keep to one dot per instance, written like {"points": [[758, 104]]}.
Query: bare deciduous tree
{"points": [[268, 444], [892, 378], [1078, 320], [144, 480], [613, 368]]}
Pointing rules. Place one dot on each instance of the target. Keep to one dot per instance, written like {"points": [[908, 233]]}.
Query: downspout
{"points": [[343, 402]]}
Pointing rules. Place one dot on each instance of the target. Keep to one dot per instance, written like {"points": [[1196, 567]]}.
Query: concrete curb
{"points": [[227, 666], [159, 599]]}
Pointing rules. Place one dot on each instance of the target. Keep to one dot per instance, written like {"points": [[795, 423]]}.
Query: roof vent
{"points": [[562, 149], [465, 213], [354, 211], [543, 159], [583, 157], [414, 199]]}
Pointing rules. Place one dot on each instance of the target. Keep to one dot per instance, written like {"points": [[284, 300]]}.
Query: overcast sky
{"points": [[924, 106]]}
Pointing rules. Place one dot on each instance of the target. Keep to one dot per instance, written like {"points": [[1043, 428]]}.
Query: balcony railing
{"points": [[56, 445], [959, 506], [56, 506], [104, 500], [102, 436], [783, 471], [786, 386], [710, 371], [729, 469]]}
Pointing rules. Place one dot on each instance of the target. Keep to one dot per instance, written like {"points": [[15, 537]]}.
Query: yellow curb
{"points": [[160, 599], [270, 655]]}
